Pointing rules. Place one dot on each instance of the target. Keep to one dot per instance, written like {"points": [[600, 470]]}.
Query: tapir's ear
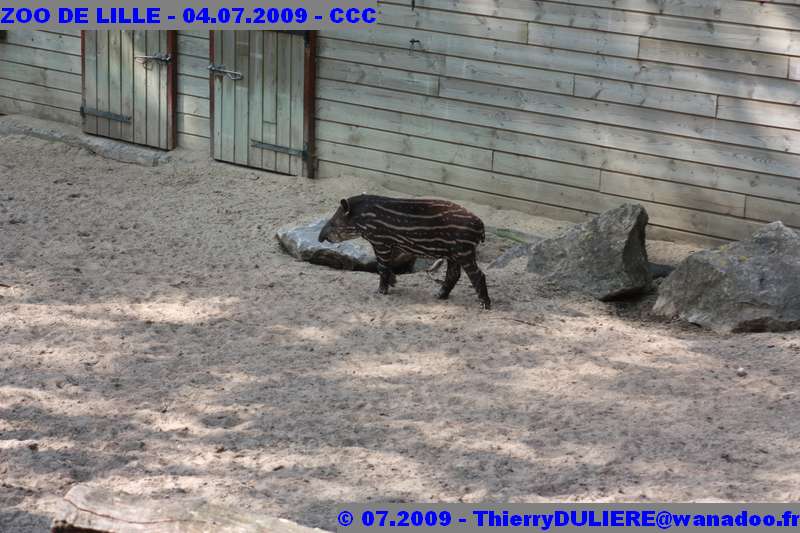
{"points": [[345, 205]]}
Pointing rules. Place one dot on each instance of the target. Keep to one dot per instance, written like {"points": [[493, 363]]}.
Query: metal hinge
{"points": [[220, 70], [104, 114], [160, 58], [282, 149]]}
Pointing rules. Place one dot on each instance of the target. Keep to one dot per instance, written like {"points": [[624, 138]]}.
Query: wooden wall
{"points": [[194, 129], [690, 107], [40, 74]]}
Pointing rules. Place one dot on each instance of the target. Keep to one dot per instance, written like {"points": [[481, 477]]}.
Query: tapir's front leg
{"points": [[383, 255]]}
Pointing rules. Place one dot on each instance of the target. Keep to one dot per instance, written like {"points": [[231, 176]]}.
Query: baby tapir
{"points": [[425, 228]]}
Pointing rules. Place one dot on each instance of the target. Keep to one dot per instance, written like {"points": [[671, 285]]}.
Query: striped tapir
{"points": [[426, 228]]}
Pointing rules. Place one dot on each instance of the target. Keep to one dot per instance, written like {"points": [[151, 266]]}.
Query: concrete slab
{"points": [[66, 133]]}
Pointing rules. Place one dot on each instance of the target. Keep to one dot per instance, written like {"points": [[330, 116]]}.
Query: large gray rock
{"points": [[604, 257], [751, 285], [302, 242]]}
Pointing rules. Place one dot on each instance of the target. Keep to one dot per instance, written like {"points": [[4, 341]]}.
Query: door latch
{"points": [[220, 70], [159, 58]]}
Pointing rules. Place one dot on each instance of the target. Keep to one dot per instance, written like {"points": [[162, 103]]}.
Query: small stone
{"points": [[741, 372]]}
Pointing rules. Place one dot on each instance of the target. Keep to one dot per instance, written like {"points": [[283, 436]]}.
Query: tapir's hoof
{"points": [[383, 290], [442, 295], [486, 305]]}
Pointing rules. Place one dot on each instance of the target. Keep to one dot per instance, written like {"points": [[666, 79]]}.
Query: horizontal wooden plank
{"points": [[546, 170], [666, 192], [40, 76], [382, 77], [794, 68], [456, 23], [766, 13], [193, 46], [753, 112], [622, 115], [203, 34], [669, 27], [617, 68], [660, 233], [193, 66], [712, 224], [193, 142], [567, 129], [714, 57], [541, 80], [192, 105], [368, 54], [646, 96], [41, 58], [193, 86], [772, 210], [597, 42], [726, 179], [65, 44], [405, 144], [193, 125], [510, 9], [40, 95], [10, 106], [64, 31]]}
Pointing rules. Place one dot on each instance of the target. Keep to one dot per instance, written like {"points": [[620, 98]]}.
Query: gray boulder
{"points": [[604, 257], [302, 242], [751, 285]]}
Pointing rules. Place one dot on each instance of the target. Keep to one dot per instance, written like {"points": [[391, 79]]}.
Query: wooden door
{"points": [[129, 86], [258, 99]]}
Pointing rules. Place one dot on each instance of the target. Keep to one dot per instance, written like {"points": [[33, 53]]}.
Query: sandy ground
{"points": [[154, 339]]}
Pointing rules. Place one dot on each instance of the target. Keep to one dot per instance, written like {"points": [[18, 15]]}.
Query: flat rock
{"points": [[605, 257], [302, 242], [86, 508], [750, 285]]}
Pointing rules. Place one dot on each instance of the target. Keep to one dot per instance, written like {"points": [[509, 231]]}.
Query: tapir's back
{"points": [[434, 228]]}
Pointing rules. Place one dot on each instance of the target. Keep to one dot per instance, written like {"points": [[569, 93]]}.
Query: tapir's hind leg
{"points": [[383, 255], [478, 281], [450, 279]]}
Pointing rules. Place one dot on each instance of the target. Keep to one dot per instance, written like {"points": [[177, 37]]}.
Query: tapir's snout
{"points": [[325, 232]]}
